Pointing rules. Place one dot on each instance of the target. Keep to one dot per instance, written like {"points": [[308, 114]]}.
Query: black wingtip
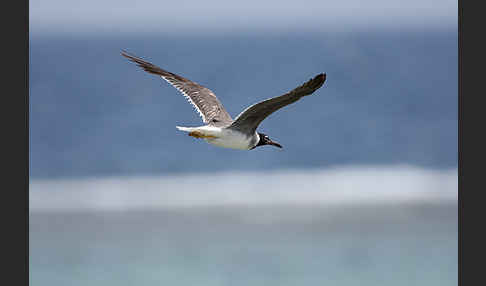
{"points": [[127, 54], [318, 81], [148, 67]]}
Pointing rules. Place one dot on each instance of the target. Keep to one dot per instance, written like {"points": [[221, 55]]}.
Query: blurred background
{"points": [[364, 191]]}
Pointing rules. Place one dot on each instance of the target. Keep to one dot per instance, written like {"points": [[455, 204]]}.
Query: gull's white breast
{"points": [[228, 138]]}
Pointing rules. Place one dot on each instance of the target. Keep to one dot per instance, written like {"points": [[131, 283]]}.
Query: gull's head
{"points": [[265, 140]]}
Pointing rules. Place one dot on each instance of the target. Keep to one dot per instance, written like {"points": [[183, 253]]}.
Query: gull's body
{"points": [[224, 137], [220, 129]]}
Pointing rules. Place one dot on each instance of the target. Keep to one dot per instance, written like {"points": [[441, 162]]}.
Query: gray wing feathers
{"points": [[204, 100], [248, 120]]}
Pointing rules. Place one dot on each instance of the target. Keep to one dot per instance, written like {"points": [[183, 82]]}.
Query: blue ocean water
{"points": [[390, 97]]}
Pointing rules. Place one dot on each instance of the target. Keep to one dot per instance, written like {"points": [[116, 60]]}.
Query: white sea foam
{"points": [[336, 186]]}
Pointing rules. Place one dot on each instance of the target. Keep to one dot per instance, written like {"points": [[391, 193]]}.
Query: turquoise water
{"points": [[386, 244]]}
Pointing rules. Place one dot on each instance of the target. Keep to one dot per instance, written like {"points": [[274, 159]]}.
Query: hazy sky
{"points": [[146, 16]]}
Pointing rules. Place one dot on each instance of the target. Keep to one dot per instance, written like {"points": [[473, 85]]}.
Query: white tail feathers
{"points": [[186, 129], [202, 130]]}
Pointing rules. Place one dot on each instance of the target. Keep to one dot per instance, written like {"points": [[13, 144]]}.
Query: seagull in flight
{"points": [[220, 129]]}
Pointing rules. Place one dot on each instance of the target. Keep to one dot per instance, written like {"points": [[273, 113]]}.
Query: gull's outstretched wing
{"points": [[248, 120], [204, 100]]}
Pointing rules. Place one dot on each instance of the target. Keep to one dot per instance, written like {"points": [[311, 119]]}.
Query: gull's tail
{"points": [[186, 129]]}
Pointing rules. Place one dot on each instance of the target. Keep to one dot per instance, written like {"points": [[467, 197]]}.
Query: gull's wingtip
{"points": [[126, 54], [317, 81]]}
